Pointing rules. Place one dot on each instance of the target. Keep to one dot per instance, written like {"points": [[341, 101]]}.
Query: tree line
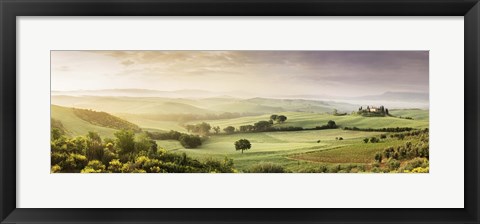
{"points": [[396, 129], [104, 119], [186, 140]]}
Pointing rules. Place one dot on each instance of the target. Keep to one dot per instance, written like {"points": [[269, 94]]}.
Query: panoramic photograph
{"points": [[239, 111]]}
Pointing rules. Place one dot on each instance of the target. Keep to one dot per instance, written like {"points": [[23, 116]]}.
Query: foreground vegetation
{"points": [[124, 154]]}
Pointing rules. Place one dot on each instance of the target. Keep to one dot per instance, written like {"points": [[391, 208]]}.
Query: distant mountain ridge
{"points": [[196, 93], [390, 99], [398, 96]]}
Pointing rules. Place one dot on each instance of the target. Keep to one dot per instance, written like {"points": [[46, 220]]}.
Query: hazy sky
{"points": [[264, 73]]}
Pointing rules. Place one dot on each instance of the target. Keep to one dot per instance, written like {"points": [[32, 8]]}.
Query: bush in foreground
{"points": [[266, 168]]}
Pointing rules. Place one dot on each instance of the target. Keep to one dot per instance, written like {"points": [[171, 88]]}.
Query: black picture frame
{"points": [[10, 9]]}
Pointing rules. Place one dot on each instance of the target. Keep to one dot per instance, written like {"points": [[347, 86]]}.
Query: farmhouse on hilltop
{"points": [[370, 110], [373, 109]]}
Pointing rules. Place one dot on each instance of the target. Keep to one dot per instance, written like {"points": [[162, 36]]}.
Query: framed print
{"points": [[246, 112]]}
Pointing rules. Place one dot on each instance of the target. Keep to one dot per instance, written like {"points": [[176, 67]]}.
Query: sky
{"points": [[262, 73]]}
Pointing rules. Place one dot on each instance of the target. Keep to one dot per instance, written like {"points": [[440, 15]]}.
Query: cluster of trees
{"points": [[104, 119], [201, 129], [334, 168], [407, 158], [267, 126], [421, 133], [126, 153], [187, 141], [260, 126], [371, 140], [397, 129], [408, 151], [277, 118], [330, 125]]}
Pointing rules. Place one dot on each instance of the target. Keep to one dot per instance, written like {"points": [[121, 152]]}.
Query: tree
{"points": [[125, 141], [94, 149], [393, 164], [386, 111], [190, 128], [145, 144], [331, 124], [190, 141], [229, 129], [365, 140], [204, 128], [262, 125], [281, 119], [335, 111], [55, 134], [216, 129], [273, 117], [247, 128], [242, 144]]}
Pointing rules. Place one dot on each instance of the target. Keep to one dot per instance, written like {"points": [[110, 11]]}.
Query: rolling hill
{"points": [[157, 105], [80, 122]]}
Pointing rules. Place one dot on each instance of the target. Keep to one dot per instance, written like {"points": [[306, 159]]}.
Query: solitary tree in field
{"points": [[242, 144], [216, 129]]}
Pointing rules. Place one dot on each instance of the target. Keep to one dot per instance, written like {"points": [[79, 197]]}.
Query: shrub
{"points": [[56, 169], [393, 164], [414, 163], [115, 166], [420, 170], [374, 140], [365, 140], [378, 157], [94, 166], [190, 141], [266, 168]]}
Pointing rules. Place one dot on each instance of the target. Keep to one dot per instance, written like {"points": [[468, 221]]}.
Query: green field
{"points": [[277, 147], [311, 120]]}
